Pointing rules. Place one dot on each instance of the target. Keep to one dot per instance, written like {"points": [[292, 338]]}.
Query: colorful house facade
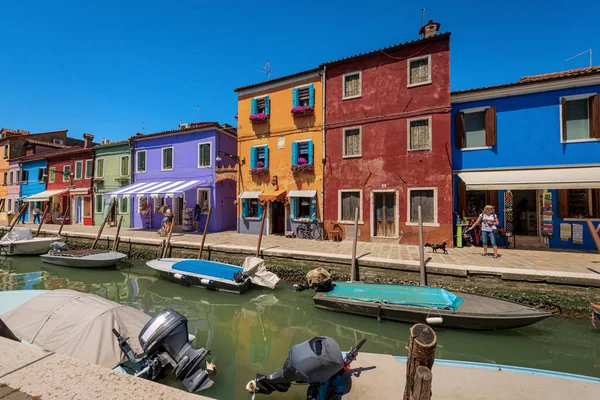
{"points": [[387, 141], [70, 176], [113, 170], [280, 139], [14, 185], [532, 149], [178, 168]]}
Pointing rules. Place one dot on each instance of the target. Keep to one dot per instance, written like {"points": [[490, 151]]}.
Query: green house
{"points": [[112, 170]]}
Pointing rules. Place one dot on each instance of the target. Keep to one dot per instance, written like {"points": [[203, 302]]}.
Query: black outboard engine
{"points": [[165, 341], [314, 362], [58, 247]]}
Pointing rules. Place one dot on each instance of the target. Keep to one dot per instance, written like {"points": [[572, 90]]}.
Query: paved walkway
{"points": [[536, 262]]}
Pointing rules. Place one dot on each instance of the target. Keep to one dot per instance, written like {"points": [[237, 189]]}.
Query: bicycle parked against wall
{"points": [[311, 230]]}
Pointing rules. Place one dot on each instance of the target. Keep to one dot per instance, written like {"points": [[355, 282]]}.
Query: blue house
{"points": [[34, 168], [532, 149]]}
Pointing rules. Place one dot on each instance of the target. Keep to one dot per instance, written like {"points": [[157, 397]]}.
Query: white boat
{"points": [[85, 258], [21, 242]]}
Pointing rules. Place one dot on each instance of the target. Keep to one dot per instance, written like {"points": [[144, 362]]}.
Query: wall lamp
{"points": [[235, 158]]}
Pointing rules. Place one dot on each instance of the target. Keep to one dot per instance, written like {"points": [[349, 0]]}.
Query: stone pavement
{"points": [[464, 261]]}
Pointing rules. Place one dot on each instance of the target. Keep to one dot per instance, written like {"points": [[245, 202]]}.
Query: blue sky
{"points": [[108, 67]]}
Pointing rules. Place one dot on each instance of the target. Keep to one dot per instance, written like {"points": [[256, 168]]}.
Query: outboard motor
{"points": [[317, 362], [165, 341], [58, 248]]}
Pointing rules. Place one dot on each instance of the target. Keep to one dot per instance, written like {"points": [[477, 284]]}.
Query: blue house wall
{"points": [[528, 135], [33, 186]]}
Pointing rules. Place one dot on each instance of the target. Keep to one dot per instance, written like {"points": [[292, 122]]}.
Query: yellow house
{"points": [[280, 146]]}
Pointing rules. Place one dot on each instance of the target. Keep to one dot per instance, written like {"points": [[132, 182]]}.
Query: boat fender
{"points": [[206, 281], [434, 320], [179, 276]]}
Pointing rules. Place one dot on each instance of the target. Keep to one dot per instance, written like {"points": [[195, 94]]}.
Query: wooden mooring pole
{"points": [[204, 234], [354, 243], [422, 342], [64, 217], [43, 219], [108, 214], [117, 239], [22, 210], [422, 384], [421, 248], [168, 243], [262, 226]]}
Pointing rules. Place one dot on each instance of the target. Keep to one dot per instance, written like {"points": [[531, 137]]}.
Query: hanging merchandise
{"points": [[508, 211], [547, 215], [188, 225]]}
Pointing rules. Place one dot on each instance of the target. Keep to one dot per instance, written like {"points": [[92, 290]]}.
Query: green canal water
{"points": [[252, 333]]}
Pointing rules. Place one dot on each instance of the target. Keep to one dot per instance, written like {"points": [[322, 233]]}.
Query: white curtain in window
{"points": [[352, 142], [419, 134], [419, 71], [352, 85]]}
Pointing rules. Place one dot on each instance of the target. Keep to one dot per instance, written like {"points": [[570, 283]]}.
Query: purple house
{"points": [[178, 168]]}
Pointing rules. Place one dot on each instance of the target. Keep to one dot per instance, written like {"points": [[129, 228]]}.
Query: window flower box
{"points": [[259, 118], [300, 111], [303, 166], [259, 171]]}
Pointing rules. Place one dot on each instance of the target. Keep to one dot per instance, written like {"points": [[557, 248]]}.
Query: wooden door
{"points": [[385, 211]]}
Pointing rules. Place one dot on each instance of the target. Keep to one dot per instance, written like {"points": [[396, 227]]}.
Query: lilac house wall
{"points": [[185, 167]]}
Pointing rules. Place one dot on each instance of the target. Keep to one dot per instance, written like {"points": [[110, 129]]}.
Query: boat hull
{"points": [[99, 260], [164, 268], [510, 315], [32, 247]]}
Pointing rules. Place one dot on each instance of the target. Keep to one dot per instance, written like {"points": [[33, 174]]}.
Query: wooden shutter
{"points": [[563, 203], [267, 105], [563, 113], [266, 156], [459, 130], [310, 152], [595, 116], [462, 198], [490, 126], [492, 200], [253, 157], [295, 97], [311, 95]]}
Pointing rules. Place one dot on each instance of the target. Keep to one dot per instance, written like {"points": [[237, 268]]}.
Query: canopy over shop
{"points": [[55, 198]]}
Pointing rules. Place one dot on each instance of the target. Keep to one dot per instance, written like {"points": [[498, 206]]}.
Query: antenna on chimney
{"points": [[267, 69], [582, 53], [422, 20]]}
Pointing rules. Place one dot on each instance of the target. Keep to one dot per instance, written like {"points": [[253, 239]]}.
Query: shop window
{"points": [[352, 85], [98, 202], [475, 129], [204, 200], [141, 161], [425, 198], [251, 208], [159, 203], [303, 208], [167, 158], [349, 200], [583, 203], [419, 71], [476, 202]]}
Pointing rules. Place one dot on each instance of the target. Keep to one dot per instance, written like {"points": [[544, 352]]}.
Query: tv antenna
{"points": [[267, 69], [143, 126], [582, 53], [198, 113], [422, 19]]}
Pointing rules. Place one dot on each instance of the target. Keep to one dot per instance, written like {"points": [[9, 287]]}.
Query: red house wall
{"points": [[382, 112], [59, 162]]}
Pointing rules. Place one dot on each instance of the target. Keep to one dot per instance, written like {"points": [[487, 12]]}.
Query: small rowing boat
{"points": [[21, 242], [413, 304], [84, 258]]}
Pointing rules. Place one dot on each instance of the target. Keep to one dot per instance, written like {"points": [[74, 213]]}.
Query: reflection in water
{"points": [[252, 333]]}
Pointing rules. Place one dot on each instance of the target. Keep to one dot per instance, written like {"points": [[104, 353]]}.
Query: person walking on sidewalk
{"points": [[488, 221], [37, 214]]}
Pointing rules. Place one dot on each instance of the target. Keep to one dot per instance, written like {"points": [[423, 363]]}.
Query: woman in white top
{"points": [[488, 221]]}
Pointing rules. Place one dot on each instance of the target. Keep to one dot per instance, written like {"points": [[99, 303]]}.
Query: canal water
{"points": [[252, 333]]}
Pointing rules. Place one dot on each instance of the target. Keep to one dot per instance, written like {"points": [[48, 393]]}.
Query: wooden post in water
{"points": [[262, 225], [168, 244], [22, 210], [204, 234], [354, 240], [422, 384], [422, 342], [43, 219], [117, 239], [110, 209], [421, 249], [64, 216]]}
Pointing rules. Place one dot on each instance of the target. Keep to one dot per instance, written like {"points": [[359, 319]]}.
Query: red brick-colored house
{"points": [[70, 178], [387, 140]]}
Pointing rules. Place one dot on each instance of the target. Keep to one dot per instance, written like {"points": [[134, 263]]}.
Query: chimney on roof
{"points": [[87, 140], [430, 29]]}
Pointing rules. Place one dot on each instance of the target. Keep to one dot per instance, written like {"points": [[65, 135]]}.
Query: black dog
{"points": [[437, 247]]}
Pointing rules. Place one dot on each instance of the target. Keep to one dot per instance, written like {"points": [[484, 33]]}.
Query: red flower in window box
{"points": [[300, 111], [258, 118]]}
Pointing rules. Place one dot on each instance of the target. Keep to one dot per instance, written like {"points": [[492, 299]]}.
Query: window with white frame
{"points": [[419, 134], [352, 142], [99, 167], [577, 119], [303, 150], [204, 155], [42, 173], [250, 208], [349, 201], [419, 71], [10, 178], [52, 175], [123, 205], [167, 158], [426, 198], [303, 96], [98, 203], [475, 129], [204, 200], [88, 168], [24, 176], [260, 105], [78, 170], [124, 165], [66, 173], [352, 85], [140, 161]]}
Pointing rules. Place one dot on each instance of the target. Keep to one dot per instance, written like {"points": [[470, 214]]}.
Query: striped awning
{"points": [[157, 189]]}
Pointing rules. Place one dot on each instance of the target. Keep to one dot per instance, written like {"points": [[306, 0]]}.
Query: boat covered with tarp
{"points": [[414, 304], [215, 275], [60, 254], [22, 242]]}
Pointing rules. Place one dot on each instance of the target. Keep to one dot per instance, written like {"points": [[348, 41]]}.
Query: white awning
{"points": [[302, 193], [79, 191], [550, 178], [156, 189], [46, 195], [249, 195]]}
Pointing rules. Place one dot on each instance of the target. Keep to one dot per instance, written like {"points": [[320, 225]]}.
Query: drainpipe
{"points": [[323, 138]]}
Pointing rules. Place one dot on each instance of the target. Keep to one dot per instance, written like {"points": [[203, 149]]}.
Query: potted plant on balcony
{"points": [[259, 118], [259, 169], [302, 166], [300, 111]]}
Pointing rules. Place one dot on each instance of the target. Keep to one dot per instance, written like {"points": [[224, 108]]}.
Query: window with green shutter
{"points": [[204, 156], [167, 158], [124, 165], [98, 202], [88, 168], [52, 174], [78, 169], [100, 168], [141, 161], [66, 173]]}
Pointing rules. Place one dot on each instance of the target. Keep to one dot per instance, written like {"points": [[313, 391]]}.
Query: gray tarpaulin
{"points": [[258, 274]]}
